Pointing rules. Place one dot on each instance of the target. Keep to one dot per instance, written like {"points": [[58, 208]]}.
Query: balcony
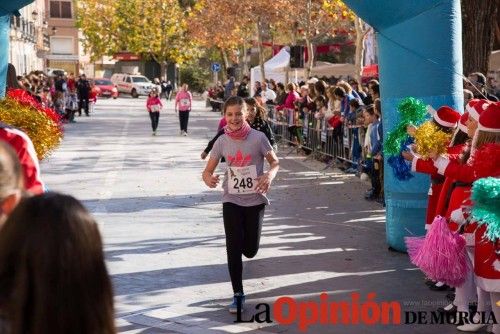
{"points": [[22, 29]]}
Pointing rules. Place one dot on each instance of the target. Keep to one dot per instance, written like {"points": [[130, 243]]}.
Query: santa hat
{"points": [[475, 107], [462, 125], [445, 116], [489, 120]]}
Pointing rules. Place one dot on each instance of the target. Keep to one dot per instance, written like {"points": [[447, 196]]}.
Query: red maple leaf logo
{"points": [[238, 160]]}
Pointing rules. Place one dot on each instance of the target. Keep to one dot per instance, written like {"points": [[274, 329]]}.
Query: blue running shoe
{"points": [[238, 297]]}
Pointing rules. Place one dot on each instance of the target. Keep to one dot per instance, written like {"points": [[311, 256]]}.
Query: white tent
{"points": [[278, 68], [275, 68]]}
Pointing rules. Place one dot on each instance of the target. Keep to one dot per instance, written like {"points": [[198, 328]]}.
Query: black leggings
{"points": [[242, 226], [183, 120], [155, 118]]}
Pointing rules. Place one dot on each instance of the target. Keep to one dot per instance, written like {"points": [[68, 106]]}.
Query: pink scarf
{"points": [[239, 134]]}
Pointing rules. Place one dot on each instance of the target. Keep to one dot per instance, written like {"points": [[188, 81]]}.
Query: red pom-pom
{"points": [[26, 99], [486, 160], [23, 97]]}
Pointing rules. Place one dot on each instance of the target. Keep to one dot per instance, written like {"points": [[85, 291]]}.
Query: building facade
{"points": [[29, 39], [66, 51]]}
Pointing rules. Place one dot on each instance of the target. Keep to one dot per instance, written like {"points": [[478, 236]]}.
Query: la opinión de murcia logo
{"points": [[289, 311]]}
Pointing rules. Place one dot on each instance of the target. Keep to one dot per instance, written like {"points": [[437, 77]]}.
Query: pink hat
{"points": [[475, 107], [446, 116], [462, 125], [490, 118]]}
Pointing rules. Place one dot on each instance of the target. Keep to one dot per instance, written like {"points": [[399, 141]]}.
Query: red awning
{"points": [[370, 71], [126, 56]]}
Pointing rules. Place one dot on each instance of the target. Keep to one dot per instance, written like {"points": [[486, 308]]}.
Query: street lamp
{"points": [[54, 30], [34, 15]]}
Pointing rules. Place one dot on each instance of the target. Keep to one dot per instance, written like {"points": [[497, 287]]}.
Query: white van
{"points": [[132, 84]]}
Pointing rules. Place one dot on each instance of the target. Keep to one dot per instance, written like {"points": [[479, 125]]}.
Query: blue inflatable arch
{"points": [[420, 55]]}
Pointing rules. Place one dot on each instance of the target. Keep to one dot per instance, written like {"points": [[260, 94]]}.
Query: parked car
{"points": [[105, 88], [132, 84]]}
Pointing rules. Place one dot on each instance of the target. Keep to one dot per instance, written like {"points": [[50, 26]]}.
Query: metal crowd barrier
{"points": [[312, 135]]}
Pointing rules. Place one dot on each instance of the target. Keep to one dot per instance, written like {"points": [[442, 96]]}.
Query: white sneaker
{"points": [[472, 327], [184, 133]]}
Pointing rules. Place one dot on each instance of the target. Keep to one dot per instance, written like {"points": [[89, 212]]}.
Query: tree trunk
{"points": [[307, 37], [163, 70], [360, 48], [244, 60], [478, 31], [261, 51], [310, 57], [225, 65]]}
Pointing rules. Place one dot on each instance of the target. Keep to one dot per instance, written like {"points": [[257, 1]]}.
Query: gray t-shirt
{"points": [[241, 153]]}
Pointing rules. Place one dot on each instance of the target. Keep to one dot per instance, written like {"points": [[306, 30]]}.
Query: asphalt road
{"points": [[164, 238]]}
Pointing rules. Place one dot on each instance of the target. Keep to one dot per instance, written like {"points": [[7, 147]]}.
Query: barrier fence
{"points": [[313, 135]]}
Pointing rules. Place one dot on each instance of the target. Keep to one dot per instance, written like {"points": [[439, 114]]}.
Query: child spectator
{"points": [[59, 103], [375, 148], [354, 108], [71, 105], [54, 279]]}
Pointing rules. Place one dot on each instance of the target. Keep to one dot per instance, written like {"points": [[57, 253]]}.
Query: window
{"points": [[61, 45], [101, 82], [140, 79], [60, 9]]}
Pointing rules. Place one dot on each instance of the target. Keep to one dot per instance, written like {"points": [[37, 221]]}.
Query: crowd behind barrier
{"points": [[317, 138]]}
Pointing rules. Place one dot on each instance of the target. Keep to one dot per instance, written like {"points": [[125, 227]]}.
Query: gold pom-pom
{"points": [[45, 134], [430, 139]]}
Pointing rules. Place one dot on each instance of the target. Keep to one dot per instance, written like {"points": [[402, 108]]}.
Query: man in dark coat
{"points": [[83, 90]]}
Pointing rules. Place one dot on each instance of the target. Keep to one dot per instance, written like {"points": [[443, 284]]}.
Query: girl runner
{"points": [[154, 105], [245, 185]]}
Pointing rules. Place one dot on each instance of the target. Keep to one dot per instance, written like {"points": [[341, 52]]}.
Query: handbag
{"points": [[155, 107]]}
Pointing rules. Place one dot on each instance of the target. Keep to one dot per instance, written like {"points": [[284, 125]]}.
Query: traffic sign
{"points": [[216, 67]]}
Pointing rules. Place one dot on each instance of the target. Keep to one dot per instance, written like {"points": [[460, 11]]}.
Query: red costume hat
{"points": [[445, 116], [490, 118], [475, 107], [462, 125]]}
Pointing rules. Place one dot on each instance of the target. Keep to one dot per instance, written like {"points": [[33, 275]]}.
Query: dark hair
{"points": [[280, 85], [261, 111], [234, 101], [339, 91], [11, 173], [370, 109], [320, 87], [53, 278], [378, 106], [459, 138], [12, 78], [376, 88], [321, 99], [481, 78], [354, 103], [443, 128]]}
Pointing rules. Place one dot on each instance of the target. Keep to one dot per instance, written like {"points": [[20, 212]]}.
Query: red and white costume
{"points": [[27, 156], [446, 117]]}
